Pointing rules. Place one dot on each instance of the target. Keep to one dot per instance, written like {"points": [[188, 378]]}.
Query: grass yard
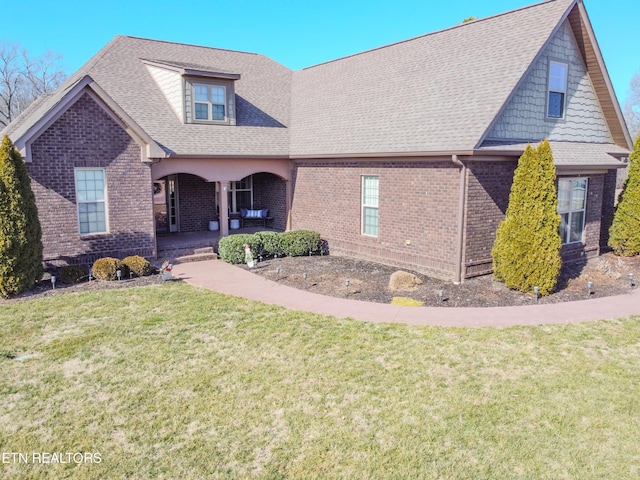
{"points": [[171, 381]]}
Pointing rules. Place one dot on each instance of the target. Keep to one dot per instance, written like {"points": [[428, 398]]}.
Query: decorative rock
{"points": [[404, 281]]}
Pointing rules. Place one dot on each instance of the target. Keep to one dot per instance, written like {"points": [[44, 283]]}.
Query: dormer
{"points": [[197, 94]]}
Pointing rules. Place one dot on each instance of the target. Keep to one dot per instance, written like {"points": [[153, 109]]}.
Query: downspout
{"points": [[463, 193]]}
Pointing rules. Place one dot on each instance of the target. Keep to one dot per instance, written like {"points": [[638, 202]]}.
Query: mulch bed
{"points": [[369, 281]]}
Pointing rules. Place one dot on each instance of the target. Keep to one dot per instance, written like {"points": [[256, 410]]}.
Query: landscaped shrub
{"points": [[140, 266], [267, 244], [300, 242], [73, 273], [231, 248], [526, 252], [271, 244], [106, 268], [624, 234], [20, 233]]}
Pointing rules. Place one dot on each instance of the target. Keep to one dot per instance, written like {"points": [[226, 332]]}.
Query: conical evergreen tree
{"points": [[526, 252], [20, 233], [624, 234]]}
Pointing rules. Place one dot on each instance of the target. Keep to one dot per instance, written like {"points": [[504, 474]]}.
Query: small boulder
{"points": [[404, 281]]}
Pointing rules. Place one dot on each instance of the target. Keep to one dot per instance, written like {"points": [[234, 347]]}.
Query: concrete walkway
{"points": [[225, 278]]}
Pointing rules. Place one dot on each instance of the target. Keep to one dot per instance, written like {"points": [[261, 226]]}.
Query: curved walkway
{"points": [[224, 278]]}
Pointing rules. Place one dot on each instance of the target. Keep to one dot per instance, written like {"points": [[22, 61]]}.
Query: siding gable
{"points": [[524, 117], [170, 83]]}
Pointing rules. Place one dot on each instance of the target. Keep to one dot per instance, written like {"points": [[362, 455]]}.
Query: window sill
{"points": [[210, 122], [89, 236]]}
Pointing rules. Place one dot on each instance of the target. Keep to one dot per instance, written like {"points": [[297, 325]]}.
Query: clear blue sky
{"points": [[295, 33]]}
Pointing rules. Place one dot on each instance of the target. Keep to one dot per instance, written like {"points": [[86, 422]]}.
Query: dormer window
{"points": [[557, 89], [209, 103], [197, 93]]}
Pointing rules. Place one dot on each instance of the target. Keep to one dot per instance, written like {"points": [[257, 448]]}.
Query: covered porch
{"points": [[174, 245]]}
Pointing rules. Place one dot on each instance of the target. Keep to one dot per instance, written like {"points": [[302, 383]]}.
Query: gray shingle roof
{"points": [[434, 93], [262, 94], [569, 154], [438, 92]]}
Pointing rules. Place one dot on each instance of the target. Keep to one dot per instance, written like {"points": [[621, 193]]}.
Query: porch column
{"points": [[224, 209]]}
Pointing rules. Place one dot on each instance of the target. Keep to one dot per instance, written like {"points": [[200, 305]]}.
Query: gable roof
{"points": [[434, 94], [262, 89]]}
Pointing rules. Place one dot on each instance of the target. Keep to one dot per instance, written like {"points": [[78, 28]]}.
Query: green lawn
{"points": [[171, 381]]}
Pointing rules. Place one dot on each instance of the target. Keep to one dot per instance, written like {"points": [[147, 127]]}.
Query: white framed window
{"points": [[572, 205], [557, 89], [370, 195], [209, 103], [91, 200], [241, 194]]}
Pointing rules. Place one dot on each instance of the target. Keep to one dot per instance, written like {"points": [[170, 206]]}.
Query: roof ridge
{"points": [[193, 45], [459, 25]]}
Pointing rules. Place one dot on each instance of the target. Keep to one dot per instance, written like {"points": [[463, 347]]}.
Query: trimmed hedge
{"points": [[140, 266], [269, 244], [231, 248], [300, 242], [73, 273], [106, 268]]}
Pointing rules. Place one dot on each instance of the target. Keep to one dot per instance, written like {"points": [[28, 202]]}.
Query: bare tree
{"points": [[23, 79], [632, 106]]}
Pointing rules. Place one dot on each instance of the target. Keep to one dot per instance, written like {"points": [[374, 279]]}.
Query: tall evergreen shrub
{"points": [[20, 234], [624, 234], [526, 252]]}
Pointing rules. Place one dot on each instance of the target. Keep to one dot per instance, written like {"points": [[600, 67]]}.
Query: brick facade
{"points": [[488, 188], [270, 191], [418, 210], [196, 203], [609, 188], [86, 136]]}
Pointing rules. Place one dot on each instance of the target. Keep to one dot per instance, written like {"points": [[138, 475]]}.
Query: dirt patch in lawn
{"points": [[369, 281]]}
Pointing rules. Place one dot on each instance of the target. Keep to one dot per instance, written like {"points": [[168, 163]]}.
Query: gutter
{"points": [[463, 193]]}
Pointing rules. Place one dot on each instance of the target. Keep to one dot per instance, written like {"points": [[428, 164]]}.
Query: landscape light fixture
{"points": [[90, 274], [53, 281], [632, 282], [119, 274], [536, 292], [589, 288], [130, 274], [346, 284], [304, 275], [277, 273], [440, 295]]}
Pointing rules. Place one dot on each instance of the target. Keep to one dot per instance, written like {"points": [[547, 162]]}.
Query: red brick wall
{"points": [[85, 136], [418, 204], [488, 188], [196, 203], [269, 191], [609, 185]]}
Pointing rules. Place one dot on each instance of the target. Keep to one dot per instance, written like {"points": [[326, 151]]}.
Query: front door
{"points": [[165, 204]]}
